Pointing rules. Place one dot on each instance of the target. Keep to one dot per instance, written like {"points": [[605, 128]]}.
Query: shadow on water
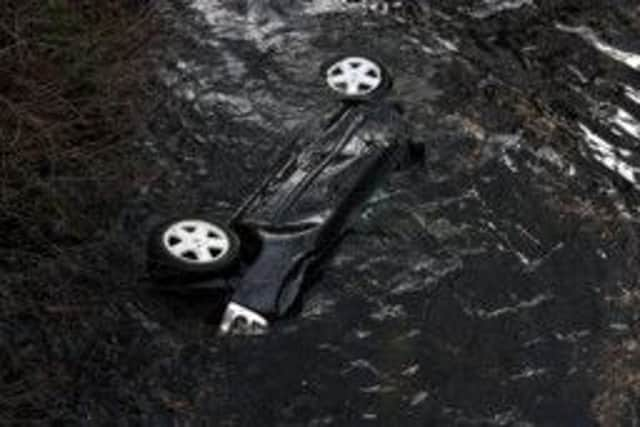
{"points": [[474, 288]]}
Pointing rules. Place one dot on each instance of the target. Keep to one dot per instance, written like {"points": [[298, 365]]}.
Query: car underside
{"points": [[264, 252]]}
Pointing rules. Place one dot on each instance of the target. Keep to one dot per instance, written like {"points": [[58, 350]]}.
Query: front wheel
{"points": [[356, 78], [192, 246]]}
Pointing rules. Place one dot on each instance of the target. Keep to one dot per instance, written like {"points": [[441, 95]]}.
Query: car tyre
{"points": [[355, 78], [191, 247]]}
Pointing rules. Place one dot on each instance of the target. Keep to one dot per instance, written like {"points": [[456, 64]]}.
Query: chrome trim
{"points": [[240, 320]]}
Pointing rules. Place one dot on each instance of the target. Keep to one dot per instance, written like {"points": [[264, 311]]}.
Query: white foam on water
{"points": [[447, 44], [610, 156], [258, 25], [529, 373], [494, 7], [327, 6], [632, 94], [631, 59], [214, 11], [483, 313], [548, 154], [625, 121]]}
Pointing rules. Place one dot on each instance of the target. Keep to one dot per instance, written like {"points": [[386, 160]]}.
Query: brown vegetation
{"points": [[74, 86]]}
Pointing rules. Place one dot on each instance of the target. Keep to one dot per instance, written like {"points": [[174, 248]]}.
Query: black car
{"points": [[300, 210]]}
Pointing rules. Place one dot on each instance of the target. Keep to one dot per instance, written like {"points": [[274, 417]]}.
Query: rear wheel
{"points": [[192, 246]]}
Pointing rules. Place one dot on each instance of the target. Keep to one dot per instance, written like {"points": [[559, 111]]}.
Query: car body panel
{"points": [[299, 212], [303, 208]]}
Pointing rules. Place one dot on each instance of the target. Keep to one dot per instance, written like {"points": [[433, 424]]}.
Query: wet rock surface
{"points": [[491, 284]]}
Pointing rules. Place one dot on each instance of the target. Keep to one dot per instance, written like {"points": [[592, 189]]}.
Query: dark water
{"points": [[479, 287]]}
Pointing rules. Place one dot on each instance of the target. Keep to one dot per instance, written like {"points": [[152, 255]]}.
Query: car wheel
{"points": [[192, 246], [356, 78]]}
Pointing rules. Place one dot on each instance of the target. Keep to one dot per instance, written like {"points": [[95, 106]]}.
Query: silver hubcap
{"points": [[196, 241], [354, 76]]}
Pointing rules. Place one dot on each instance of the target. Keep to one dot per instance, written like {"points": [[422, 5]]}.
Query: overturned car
{"points": [[265, 251]]}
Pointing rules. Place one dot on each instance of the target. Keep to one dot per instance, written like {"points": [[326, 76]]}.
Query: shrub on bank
{"points": [[75, 83]]}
